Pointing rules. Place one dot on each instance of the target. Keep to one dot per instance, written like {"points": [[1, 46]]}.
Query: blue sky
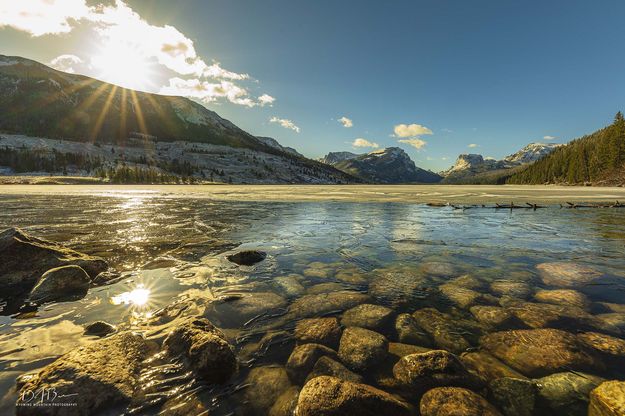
{"points": [[493, 74]]}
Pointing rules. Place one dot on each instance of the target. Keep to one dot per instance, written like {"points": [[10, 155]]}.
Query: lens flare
{"points": [[136, 297]]}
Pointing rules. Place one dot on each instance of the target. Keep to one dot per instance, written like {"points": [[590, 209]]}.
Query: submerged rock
{"points": [[514, 396], [98, 377], [310, 306], [361, 349], [422, 371], [563, 297], [520, 290], [539, 352], [331, 396], [24, 258], [492, 316], [285, 404], [205, 349], [438, 269], [99, 328], [326, 366], [456, 401], [290, 286], [399, 289], [566, 393], [324, 331], [545, 315], [460, 296], [61, 283], [608, 399], [375, 317], [239, 311], [441, 329], [566, 274], [247, 257], [263, 387], [408, 332], [488, 367], [611, 347], [303, 358]]}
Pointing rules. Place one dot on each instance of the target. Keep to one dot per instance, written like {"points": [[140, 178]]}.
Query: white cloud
{"points": [[410, 130], [42, 17], [360, 142], [66, 63], [473, 145], [216, 71], [346, 122], [122, 36], [416, 143], [444, 158], [549, 137], [447, 130], [287, 124], [266, 99]]}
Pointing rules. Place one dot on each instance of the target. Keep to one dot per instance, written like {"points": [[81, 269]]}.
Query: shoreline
{"points": [[552, 195]]}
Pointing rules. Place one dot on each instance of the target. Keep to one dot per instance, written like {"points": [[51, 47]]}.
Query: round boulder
{"points": [[375, 317], [446, 401], [330, 396], [361, 348], [65, 282]]}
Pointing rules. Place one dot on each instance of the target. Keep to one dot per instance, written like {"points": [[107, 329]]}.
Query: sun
{"points": [[123, 64]]}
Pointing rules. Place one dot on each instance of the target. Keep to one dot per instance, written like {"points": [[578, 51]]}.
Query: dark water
{"points": [[171, 251]]}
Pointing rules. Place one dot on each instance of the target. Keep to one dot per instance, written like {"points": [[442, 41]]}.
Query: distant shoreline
{"points": [[548, 195]]}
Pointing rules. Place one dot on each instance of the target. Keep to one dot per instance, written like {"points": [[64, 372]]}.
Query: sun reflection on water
{"points": [[136, 297]]}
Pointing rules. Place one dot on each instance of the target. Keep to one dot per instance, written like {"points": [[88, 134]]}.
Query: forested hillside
{"points": [[598, 158]]}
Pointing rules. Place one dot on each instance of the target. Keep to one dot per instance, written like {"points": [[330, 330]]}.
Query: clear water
{"points": [[171, 252]]}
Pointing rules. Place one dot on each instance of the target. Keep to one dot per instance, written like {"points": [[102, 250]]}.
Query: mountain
{"points": [[390, 165], [475, 169], [333, 158], [270, 141], [51, 110], [596, 159]]}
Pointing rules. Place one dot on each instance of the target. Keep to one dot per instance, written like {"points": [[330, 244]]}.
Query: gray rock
{"points": [[566, 393], [303, 358], [361, 349], [23, 259], [247, 257], [62, 283], [456, 401], [205, 349], [514, 396], [311, 306], [326, 366], [374, 317], [324, 331], [422, 371], [97, 378], [99, 328], [408, 332], [539, 352], [331, 396]]}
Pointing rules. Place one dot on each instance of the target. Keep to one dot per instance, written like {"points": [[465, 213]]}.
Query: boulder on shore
{"points": [[205, 349], [330, 396], [61, 283], [95, 378], [24, 259]]}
